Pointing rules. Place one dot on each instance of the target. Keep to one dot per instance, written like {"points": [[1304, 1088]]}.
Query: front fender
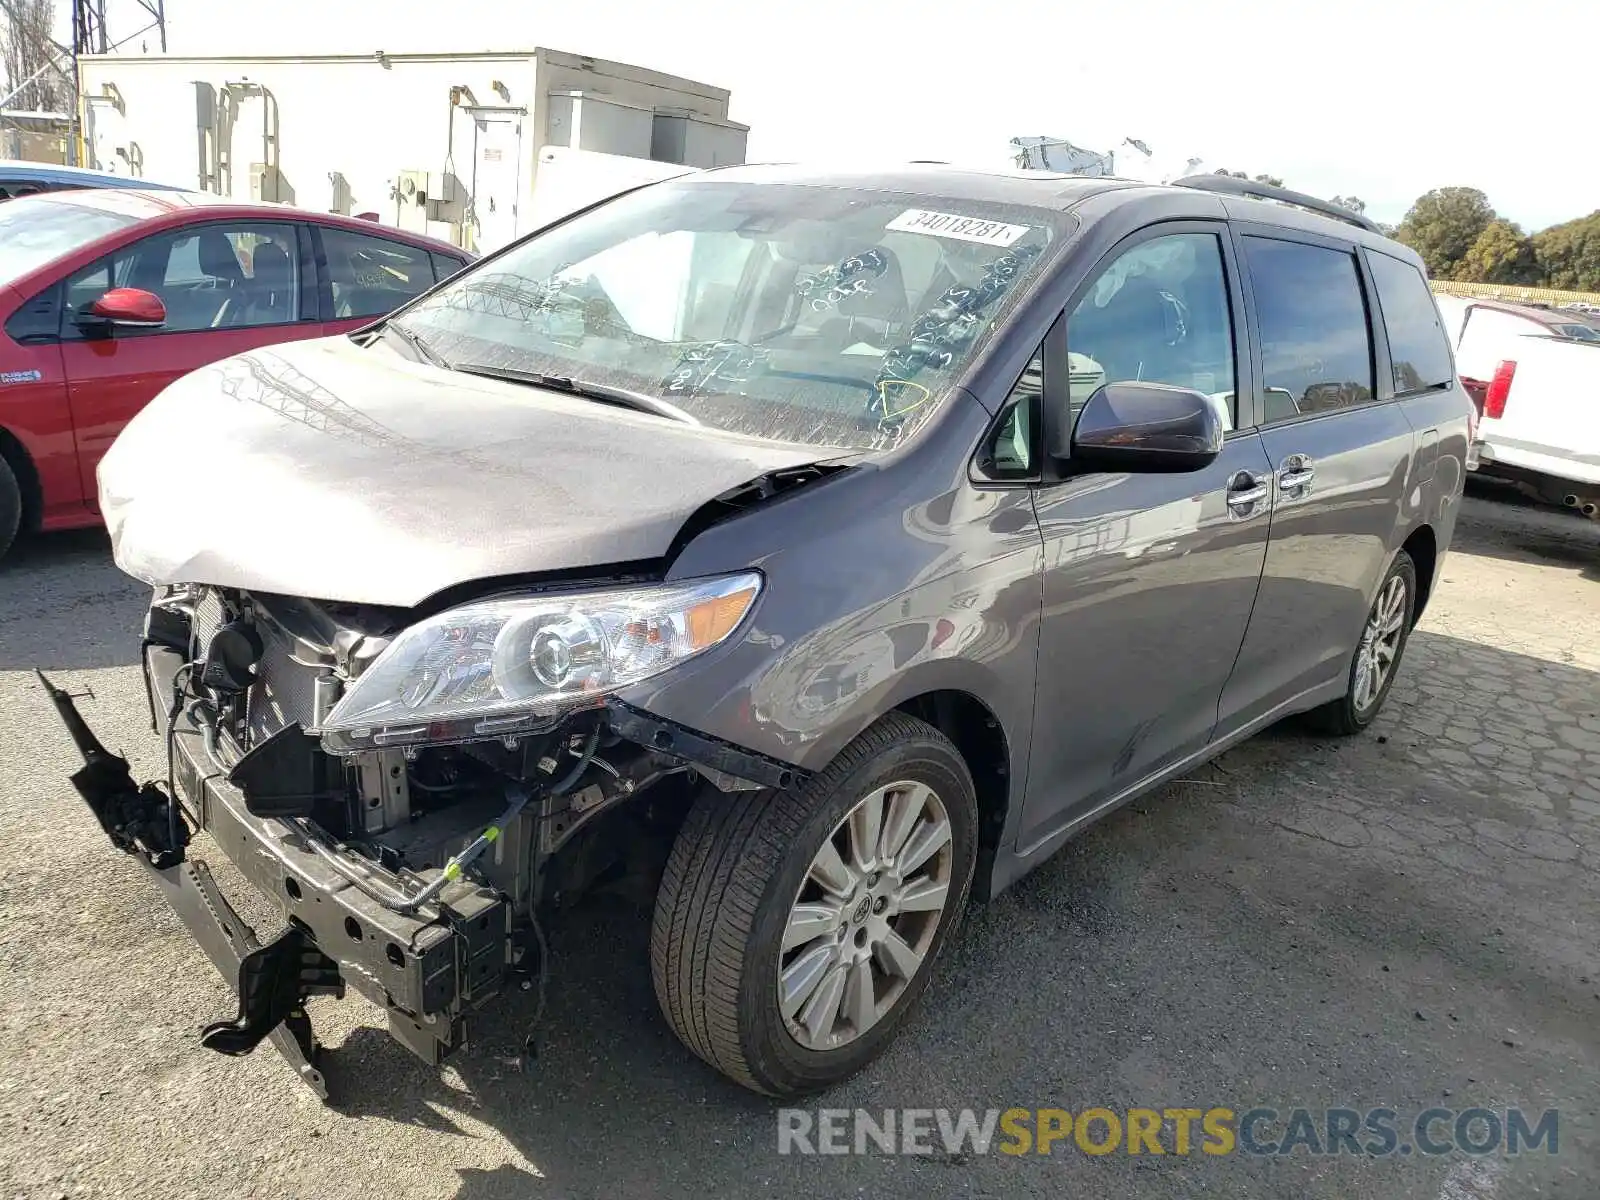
{"points": [[881, 585]]}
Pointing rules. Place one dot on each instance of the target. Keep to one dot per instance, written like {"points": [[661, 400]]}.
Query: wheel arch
{"points": [[989, 723], [21, 463], [1422, 544], [979, 737]]}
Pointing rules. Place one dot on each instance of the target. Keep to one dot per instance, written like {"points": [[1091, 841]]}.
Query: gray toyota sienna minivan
{"points": [[824, 549]]}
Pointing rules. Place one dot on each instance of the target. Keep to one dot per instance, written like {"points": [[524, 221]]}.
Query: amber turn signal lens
{"points": [[712, 620]]}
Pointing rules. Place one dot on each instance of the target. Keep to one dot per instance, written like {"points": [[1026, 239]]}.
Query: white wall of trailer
{"points": [[448, 144]]}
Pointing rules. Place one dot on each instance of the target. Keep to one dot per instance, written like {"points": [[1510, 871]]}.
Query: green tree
{"points": [[1569, 254], [1502, 253], [1354, 203], [1442, 226]]}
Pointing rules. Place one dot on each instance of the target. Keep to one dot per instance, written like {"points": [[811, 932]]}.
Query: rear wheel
{"points": [[1377, 657], [795, 931], [10, 507]]}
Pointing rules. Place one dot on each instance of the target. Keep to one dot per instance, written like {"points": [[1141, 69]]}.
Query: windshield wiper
{"points": [[603, 392], [431, 356]]}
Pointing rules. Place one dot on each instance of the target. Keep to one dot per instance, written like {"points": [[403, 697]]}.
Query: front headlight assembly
{"points": [[496, 667]]}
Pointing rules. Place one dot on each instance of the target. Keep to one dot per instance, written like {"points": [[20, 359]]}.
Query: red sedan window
{"points": [[225, 275]]}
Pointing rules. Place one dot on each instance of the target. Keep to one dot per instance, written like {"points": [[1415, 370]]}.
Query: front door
{"points": [[1340, 464], [33, 401], [1149, 579], [228, 287]]}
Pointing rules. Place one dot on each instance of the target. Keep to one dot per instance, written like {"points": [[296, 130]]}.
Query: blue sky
{"points": [[1380, 99]]}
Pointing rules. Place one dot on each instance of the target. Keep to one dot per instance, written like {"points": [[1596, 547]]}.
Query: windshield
{"points": [[35, 230], [826, 315]]}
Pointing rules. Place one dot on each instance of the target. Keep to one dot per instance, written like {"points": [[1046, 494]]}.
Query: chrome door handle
{"points": [[1296, 473], [1245, 491]]}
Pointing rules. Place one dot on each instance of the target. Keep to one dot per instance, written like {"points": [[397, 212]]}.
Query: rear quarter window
{"points": [[370, 276], [445, 266], [1418, 348]]}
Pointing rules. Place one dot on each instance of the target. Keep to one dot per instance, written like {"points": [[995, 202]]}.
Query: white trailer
{"points": [[450, 145]]}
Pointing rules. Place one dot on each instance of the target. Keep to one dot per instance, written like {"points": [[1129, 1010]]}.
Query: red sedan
{"points": [[108, 296]]}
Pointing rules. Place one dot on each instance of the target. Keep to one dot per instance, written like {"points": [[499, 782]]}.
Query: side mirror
{"points": [[125, 308], [1147, 427]]}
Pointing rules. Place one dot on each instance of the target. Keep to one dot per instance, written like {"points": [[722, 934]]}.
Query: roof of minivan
{"points": [[1042, 189]]}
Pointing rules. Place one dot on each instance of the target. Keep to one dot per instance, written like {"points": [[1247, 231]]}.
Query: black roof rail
{"points": [[1227, 185]]}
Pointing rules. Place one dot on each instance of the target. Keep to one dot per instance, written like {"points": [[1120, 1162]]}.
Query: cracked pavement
{"points": [[1408, 918]]}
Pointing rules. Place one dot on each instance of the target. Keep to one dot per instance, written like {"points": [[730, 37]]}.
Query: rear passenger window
{"points": [[444, 266], [370, 276], [1316, 349], [1417, 345]]}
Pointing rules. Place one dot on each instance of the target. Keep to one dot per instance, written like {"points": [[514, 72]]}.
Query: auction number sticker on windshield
{"points": [[954, 225]]}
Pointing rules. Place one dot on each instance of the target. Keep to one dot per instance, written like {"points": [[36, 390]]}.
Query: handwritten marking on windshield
{"points": [[900, 397]]}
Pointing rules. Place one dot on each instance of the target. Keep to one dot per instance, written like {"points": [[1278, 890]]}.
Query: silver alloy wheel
{"points": [[1380, 643], [865, 915]]}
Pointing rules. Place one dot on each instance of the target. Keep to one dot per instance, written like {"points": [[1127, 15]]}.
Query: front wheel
{"points": [[795, 931], [10, 507], [1377, 657]]}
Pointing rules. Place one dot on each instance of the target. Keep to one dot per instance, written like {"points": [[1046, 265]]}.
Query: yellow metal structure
{"points": [[1513, 293]]}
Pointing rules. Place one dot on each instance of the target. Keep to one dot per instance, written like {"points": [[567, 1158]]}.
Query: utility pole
{"points": [[91, 35]]}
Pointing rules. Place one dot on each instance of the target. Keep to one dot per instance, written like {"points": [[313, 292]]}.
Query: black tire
{"points": [[1344, 716], [735, 871], [10, 507]]}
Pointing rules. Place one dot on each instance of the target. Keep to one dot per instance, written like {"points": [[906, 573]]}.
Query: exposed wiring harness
{"points": [[179, 678], [530, 1047], [517, 795]]}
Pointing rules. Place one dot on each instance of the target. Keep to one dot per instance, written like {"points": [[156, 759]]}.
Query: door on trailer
{"points": [[496, 179], [103, 129]]}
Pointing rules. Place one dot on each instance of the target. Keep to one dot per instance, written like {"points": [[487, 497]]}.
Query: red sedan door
{"points": [[33, 394], [228, 286]]}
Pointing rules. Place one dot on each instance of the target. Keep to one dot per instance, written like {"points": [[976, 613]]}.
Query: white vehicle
{"points": [[1537, 388], [572, 179]]}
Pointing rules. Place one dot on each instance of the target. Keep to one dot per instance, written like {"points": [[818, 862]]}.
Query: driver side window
{"points": [[1158, 314]]}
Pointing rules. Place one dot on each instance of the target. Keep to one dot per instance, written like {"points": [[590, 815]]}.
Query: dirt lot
{"points": [[1408, 919]]}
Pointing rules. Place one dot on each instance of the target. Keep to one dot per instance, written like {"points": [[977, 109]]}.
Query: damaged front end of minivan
{"points": [[416, 763], [410, 791]]}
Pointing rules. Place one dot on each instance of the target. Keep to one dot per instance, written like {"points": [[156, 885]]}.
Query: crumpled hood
{"points": [[325, 470]]}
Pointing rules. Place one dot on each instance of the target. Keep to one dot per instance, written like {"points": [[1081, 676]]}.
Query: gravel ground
{"points": [[1409, 918]]}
